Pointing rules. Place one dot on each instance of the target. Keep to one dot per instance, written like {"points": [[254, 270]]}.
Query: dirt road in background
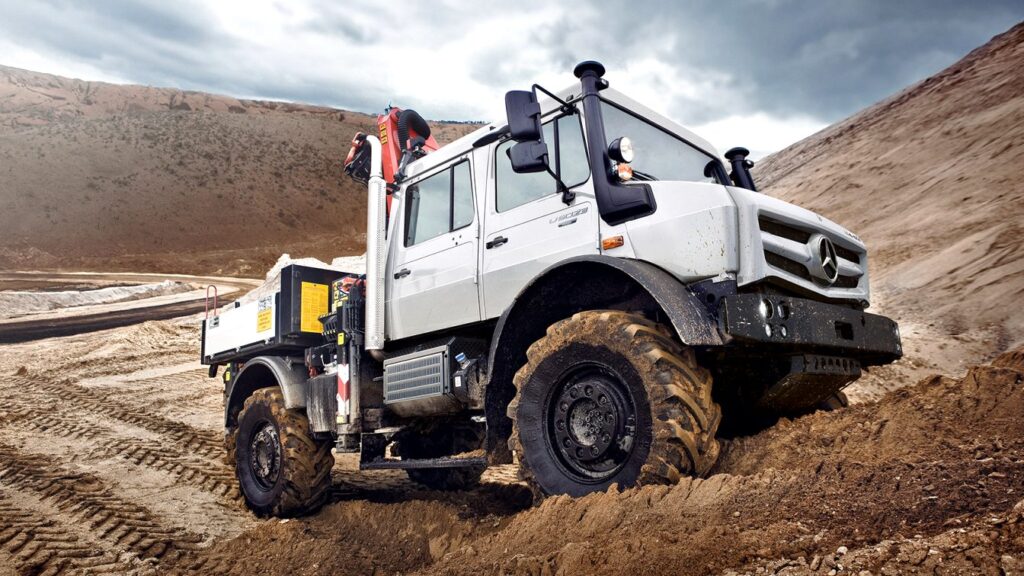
{"points": [[81, 319], [110, 461]]}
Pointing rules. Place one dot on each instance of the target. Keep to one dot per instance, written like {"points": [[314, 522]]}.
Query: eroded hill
{"points": [[103, 176], [930, 179]]}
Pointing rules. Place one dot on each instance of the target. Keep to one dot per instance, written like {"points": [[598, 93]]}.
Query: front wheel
{"points": [[281, 468], [608, 397]]}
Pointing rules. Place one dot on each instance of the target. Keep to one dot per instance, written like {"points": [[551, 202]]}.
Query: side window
{"points": [[567, 156], [439, 204], [462, 196]]}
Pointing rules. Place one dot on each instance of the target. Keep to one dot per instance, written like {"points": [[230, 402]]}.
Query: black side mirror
{"points": [[530, 154], [529, 157], [523, 113]]}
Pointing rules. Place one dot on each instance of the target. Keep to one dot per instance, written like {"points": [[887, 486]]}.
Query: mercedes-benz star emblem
{"points": [[828, 260]]}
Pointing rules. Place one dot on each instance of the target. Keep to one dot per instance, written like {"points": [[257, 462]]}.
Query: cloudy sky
{"points": [[762, 73]]}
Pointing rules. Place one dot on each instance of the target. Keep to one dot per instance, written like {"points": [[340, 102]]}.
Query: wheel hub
{"points": [[265, 455], [592, 423]]}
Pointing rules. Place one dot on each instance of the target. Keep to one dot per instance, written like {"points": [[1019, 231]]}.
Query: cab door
{"points": [[527, 226], [432, 271]]}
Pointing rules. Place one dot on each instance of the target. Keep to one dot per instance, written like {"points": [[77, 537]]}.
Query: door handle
{"points": [[402, 273], [496, 242]]}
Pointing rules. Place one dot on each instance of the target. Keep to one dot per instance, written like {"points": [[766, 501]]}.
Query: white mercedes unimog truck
{"points": [[586, 289]]}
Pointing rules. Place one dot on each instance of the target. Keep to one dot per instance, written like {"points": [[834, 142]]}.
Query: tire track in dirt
{"points": [[189, 439], [82, 498], [213, 477], [38, 544], [210, 475], [149, 389]]}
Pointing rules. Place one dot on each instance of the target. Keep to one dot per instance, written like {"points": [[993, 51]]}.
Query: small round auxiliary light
{"points": [[621, 150], [623, 171]]}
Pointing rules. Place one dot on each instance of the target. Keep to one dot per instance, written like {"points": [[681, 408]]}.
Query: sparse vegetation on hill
{"points": [[103, 176]]}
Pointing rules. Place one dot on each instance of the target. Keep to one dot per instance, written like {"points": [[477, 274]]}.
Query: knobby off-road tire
{"points": [[442, 440], [282, 470], [610, 397]]}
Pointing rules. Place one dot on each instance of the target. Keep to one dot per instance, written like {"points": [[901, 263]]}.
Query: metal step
{"points": [[445, 462]]}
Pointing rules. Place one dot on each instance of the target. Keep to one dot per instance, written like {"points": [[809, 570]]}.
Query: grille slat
{"points": [[783, 230]]}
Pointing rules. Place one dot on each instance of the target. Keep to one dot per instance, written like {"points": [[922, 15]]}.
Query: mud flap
{"points": [[322, 402]]}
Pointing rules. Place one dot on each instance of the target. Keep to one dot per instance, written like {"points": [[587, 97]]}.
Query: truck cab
{"points": [[585, 289]]}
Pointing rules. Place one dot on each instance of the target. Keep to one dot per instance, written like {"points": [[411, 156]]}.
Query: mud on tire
{"points": [[610, 397], [442, 440], [282, 470]]}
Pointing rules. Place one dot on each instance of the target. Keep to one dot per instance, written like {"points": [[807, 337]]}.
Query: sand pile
{"points": [[914, 478]]}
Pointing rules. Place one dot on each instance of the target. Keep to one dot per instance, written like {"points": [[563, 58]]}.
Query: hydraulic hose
{"points": [[411, 119]]}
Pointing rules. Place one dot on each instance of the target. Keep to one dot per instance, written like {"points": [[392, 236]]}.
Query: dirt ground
{"points": [[110, 461]]}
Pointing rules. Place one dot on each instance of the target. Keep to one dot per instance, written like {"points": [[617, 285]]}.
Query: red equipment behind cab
{"points": [[404, 136]]}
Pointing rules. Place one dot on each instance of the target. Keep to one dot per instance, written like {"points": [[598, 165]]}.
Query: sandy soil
{"points": [[111, 458]]}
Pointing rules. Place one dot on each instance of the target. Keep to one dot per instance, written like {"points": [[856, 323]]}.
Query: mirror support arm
{"points": [[567, 195], [565, 107]]}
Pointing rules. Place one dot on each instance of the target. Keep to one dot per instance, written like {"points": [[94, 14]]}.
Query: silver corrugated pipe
{"points": [[376, 252]]}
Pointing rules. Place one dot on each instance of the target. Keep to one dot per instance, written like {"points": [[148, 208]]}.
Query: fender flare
{"points": [[265, 372], [571, 286]]}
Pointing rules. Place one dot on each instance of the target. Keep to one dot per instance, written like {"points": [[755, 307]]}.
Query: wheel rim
{"points": [[591, 423], [265, 455]]}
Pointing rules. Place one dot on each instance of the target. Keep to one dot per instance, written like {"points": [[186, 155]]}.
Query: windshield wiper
{"points": [[638, 175]]}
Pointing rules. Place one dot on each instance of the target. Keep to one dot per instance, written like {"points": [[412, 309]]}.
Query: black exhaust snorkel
{"points": [[616, 202], [741, 175]]}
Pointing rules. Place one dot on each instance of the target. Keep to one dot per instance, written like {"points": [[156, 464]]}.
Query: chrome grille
{"points": [[790, 250]]}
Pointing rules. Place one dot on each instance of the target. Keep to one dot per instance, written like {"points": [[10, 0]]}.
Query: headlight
{"points": [[621, 150]]}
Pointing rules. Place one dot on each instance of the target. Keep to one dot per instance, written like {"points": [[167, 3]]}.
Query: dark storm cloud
{"points": [[149, 42], [355, 23], [822, 60], [160, 43]]}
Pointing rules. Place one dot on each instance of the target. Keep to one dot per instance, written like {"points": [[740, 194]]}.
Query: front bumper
{"points": [[807, 325]]}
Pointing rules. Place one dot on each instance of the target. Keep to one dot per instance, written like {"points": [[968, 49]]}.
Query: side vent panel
{"points": [[416, 376]]}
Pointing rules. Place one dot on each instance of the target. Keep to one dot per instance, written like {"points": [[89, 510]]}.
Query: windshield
{"points": [[658, 154]]}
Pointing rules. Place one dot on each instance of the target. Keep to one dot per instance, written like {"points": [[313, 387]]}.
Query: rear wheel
{"points": [[442, 440], [608, 397], [281, 468]]}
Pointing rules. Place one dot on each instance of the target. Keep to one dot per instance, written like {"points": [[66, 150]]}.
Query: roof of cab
{"points": [[465, 143]]}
